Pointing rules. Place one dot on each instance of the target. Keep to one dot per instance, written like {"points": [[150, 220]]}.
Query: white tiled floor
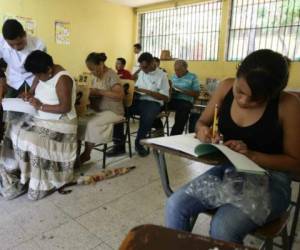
{"points": [[97, 216]]}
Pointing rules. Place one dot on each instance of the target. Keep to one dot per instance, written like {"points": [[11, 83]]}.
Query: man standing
{"points": [[153, 86], [120, 67], [15, 46], [137, 49]]}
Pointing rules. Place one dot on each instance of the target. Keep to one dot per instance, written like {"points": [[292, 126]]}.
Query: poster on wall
{"points": [[7, 16], [28, 23], [62, 32]]}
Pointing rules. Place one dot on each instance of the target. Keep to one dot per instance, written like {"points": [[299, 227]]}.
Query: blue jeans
{"points": [[182, 110], [229, 223], [148, 111]]}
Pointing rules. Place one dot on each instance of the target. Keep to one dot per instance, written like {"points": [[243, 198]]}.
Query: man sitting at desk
{"points": [[186, 87], [121, 71], [153, 89]]}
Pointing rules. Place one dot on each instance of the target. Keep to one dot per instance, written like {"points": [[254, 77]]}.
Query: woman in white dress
{"points": [[39, 151]]}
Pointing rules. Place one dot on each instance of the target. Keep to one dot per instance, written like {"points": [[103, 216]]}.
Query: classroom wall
{"points": [[215, 69], [96, 25]]}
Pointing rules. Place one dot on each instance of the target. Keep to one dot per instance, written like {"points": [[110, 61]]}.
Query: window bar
{"points": [[261, 24], [146, 31], [174, 30], [153, 33], [179, 32], [291, 28], [228, 50], [192, 32], [215, 28], [184, 32], [204, 25], [252, 26], [147, 35], [164, 18], [273, 30], [297, 38], [172, 43], [211, 30], [156, 32], [285, 25], [244, 8], [205, 29], [159, 38], [198, 32], [209, 38], [268, 25], [212, 40], [161, 33], [237, 33]]}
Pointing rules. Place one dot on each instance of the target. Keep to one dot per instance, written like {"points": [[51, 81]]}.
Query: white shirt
{"points": [[136, 65], [46, 93], [156, 81], [16, 74]]}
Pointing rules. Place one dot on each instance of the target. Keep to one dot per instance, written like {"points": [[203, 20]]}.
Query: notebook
{"points": [[192, 146], [18, 105]]}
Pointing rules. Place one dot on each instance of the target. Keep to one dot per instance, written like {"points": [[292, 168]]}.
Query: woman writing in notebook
{"points": [[257, 119], [38, 152]]}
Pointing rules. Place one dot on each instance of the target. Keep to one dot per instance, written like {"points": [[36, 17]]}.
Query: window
{"points": [[264, 24], [189, 32]]}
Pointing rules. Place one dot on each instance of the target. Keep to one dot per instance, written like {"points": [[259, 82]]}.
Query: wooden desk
{"points": [[151, 237], [159, 154]]}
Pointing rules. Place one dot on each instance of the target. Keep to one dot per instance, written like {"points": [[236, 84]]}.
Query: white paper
{"points": [[178, 90], [184, 143], [187, 143], [240, 161], [139, 92], [18, 105]]}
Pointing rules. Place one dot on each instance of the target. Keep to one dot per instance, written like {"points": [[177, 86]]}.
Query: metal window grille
{"points": [[264, 24], [189, 32]]}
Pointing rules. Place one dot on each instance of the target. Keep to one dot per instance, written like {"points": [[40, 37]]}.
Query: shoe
{"points": [[115, 151], [142, 152]]}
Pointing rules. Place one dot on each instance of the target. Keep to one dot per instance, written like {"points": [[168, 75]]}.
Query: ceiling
{"points": [[136, 3]]}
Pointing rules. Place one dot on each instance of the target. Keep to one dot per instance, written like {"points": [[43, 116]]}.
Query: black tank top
{"points": [[264, 136]]}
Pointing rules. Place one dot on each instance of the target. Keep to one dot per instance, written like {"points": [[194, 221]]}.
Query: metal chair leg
{"points": [[129, 138], [269, 244], [168, 128], [104, 156], [285, 239], [295, 221]]}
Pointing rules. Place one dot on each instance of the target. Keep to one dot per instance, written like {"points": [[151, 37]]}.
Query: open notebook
{"points": [[190, 145], [18, 105]]}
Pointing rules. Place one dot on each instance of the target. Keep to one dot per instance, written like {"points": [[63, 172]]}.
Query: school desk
{"points": [[152, 237], [159, 155]]}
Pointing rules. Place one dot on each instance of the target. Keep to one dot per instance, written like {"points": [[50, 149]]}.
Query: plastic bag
{"points": [[249, 192]]}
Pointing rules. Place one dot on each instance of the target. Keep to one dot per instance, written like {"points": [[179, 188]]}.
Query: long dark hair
{"points": [[266, 73]]}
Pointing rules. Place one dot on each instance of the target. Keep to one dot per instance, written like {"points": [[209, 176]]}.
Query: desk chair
{"points": [[164, 114], [296, 205], [276, 228], [128, 86]]}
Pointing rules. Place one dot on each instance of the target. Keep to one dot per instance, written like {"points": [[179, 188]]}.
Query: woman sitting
{"points": [[261, 121], [41, 149], [106, 98]]}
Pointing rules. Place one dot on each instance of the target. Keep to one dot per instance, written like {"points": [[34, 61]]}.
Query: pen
{"points": [[215, 123]]}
